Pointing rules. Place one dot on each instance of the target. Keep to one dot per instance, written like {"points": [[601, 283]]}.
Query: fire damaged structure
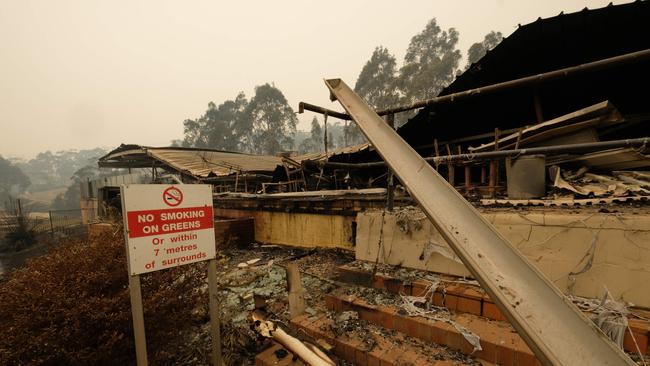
{"points": [[555, 74], [506, 223]]}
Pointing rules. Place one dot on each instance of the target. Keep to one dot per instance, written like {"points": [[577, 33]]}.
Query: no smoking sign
{"points": [[164, 227], [172, 196], [167, 226]]}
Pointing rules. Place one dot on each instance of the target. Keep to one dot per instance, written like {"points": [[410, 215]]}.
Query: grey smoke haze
{"points": [[82, 74]]}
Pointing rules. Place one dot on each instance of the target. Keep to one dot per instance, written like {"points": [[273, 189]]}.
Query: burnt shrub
{"points": [[20, 232], [72, 307]]}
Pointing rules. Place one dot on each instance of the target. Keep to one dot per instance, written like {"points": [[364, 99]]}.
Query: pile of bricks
{"points": [[471, 299], [384, 352], [500, 343], [472, 309]]}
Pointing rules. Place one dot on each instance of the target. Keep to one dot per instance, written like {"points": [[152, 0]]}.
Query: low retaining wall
{"points": [[580, 252], [298, 229]]}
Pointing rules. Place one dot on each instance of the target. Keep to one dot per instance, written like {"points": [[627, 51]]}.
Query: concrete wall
{"points": [[88, 210], [298, 229], [582, 252]]}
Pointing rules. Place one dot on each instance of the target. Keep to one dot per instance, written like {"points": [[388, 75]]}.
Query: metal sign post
{"points": [[165, 227], [137, 313], [215, 316]]}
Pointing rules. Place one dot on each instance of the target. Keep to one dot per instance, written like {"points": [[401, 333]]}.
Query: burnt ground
{"points": [[265, 276], [238, 282], [61, 298]]}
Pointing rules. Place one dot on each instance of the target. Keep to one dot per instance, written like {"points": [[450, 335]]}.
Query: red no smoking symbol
{"points": [[172, 196]]}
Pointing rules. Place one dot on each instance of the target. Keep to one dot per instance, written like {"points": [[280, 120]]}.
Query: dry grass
{"points": [[72, 307]]}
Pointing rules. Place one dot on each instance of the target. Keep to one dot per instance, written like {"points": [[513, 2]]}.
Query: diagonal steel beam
{"points": [[554, 328]]}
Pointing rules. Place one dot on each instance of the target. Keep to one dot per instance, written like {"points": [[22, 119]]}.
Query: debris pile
{"points": [[349, 325], [608, 314], [409, 219], [415, 306], [583, 184]]}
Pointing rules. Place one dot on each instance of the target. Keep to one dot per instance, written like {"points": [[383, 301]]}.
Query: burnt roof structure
{"points": [[542, 46], [197, 163]]}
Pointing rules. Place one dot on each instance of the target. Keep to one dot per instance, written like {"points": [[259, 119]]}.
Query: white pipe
{"points": [[270, 330]]}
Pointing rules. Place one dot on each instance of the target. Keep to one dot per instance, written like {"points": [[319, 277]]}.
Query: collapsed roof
{"points": [[197, 163], [542, 46], [322, 156]]}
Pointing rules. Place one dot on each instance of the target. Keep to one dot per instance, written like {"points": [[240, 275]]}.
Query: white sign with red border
{"points": [[167, 226]]}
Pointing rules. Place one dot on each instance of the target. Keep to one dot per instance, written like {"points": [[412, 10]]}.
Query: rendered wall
{"points": [[88, 210], [581, 253]]}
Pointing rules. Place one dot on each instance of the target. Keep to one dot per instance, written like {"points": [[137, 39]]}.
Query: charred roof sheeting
{"points": [[321, 156], [542, 46], [199, 163]]}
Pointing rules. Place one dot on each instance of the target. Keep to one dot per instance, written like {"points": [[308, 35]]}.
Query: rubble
{"points": [[409, 219], [309, 353], [584, 184]]}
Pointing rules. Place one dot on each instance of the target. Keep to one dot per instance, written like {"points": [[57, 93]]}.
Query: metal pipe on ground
{"points": [[525, 81], [490, 155], [310, 355], [556, 331]]}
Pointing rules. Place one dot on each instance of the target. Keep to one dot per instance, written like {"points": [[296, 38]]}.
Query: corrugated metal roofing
{"points": [[205, 163], [318, 156], [200, 163]]}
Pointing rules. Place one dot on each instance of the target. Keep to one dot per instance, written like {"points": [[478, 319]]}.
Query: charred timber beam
{"points": [[302, 107], [525, 81], [492, 155], [554, 328], [469, 138]]}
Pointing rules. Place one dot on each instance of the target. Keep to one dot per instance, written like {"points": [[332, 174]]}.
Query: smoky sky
{"points": [[83, 74]]}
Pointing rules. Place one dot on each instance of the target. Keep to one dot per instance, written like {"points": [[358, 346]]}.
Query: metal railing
{"points": [[68, 221], [52, 222]]}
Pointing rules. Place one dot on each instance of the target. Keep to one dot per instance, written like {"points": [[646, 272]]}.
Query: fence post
{"points": [[51, 225]]}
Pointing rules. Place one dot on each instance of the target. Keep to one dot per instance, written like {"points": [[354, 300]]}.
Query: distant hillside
{"points": [[50, 170]]}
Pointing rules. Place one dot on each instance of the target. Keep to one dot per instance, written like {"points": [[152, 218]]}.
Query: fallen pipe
{"points": [[312, 356], [528, 80], [555, 330], [489, 155]]}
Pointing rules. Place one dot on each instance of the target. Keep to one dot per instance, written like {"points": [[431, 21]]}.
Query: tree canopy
{"points": [[430, 62], [271, 121], [479, 49], [12, 180], [264, 125], [376, 83], [315, 140], [221, 127], [267, 125], [53, 169]]}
